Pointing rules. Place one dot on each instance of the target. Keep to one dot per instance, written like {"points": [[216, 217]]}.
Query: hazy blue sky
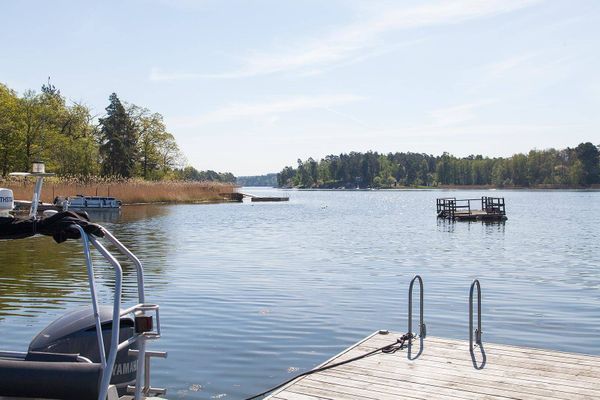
{"points": [[250, 86]]}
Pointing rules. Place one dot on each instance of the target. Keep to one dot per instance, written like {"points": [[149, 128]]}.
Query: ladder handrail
{"points": [[477, 332], [422, 328]]}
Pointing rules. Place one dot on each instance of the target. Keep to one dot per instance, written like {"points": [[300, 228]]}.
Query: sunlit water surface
{"points": [[253, 293]]}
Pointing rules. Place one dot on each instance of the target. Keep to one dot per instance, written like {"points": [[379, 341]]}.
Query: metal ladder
{"points": [[475, 340]]}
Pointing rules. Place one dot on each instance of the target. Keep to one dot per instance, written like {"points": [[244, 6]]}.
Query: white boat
{"points": [[81, 202]]}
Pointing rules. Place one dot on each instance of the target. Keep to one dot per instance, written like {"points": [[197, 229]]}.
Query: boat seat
{"points": [[51, 357], [50, 379]]}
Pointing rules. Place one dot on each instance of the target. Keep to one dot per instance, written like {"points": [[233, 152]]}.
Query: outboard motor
{"points": [[75, 333], [7, 202]]}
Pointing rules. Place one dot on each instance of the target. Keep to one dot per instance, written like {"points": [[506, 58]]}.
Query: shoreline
{"points": [[169, 202], [593, 188], [128, 192]]}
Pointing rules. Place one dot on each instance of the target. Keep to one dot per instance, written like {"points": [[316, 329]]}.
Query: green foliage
{"points": [[190, 173], [129, 141], [118, 140], [589, 156], [259, 180], [42, 126], [568, 167], [158, 152]]}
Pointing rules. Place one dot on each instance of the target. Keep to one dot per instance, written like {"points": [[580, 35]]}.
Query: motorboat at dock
{"points": [[81, 202]]}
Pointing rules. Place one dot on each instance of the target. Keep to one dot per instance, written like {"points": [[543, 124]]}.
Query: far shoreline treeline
{"points": [[577, 167]]}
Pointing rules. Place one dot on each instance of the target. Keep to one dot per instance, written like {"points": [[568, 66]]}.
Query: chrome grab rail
{"points": [[139, 309], [477, 332], [138, 264], [108, 363], [92, 283], [147, 390], [114, 340]]}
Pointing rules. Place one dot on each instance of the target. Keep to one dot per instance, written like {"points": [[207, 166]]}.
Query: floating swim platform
{"points": [[483, 209]]}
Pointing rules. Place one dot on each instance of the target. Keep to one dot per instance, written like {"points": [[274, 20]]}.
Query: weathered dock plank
{"points": [[446, 370]]}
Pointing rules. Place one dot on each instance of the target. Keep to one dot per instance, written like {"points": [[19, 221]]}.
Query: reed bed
{"points": [[129, 191]]}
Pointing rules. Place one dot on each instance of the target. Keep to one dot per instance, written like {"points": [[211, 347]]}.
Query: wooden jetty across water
{"points": [[239, 197], [432, 368], [254, 198], [482, 209]]}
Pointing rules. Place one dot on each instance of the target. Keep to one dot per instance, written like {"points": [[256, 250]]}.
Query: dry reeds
{"points": [[129, 191]]}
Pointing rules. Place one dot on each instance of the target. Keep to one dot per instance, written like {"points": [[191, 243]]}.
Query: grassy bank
{"points": [[130, 191]]}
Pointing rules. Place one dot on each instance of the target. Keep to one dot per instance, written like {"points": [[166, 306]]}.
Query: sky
{"points": [[251, 86]]}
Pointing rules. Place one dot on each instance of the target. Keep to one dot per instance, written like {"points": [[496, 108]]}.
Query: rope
{"points": [[387, 349]]}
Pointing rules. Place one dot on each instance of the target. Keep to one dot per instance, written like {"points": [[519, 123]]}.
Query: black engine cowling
{"points": [[75, 333]]}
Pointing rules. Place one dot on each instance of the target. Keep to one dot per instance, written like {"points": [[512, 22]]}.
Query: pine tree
{"points": [[118, 146]]}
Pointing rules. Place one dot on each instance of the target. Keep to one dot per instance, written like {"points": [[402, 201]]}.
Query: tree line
{"points": [[269, 180], [127, 141], [570, 167]]}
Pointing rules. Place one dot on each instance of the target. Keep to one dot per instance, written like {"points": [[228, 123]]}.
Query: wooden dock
{"points": [[446, 370], [254, 198], [239, 197], [482, 209]]}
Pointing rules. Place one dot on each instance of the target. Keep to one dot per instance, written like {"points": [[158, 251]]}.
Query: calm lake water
{"points": [[251, 294]]}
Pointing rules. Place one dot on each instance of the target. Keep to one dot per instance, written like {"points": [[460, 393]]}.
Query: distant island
{"points": [[269, 180], [577, 167]]}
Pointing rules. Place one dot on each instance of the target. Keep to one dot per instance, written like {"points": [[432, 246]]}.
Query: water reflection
{"points": [[291, 284], [101, 216], [139, 212], [37, 273], [494, 226], [445, 225]]}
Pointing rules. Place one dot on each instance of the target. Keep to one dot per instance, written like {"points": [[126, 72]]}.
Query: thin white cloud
{"points": [[501, 67], [355, 41], [521, 74], [457, 114], [268, 111]]}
